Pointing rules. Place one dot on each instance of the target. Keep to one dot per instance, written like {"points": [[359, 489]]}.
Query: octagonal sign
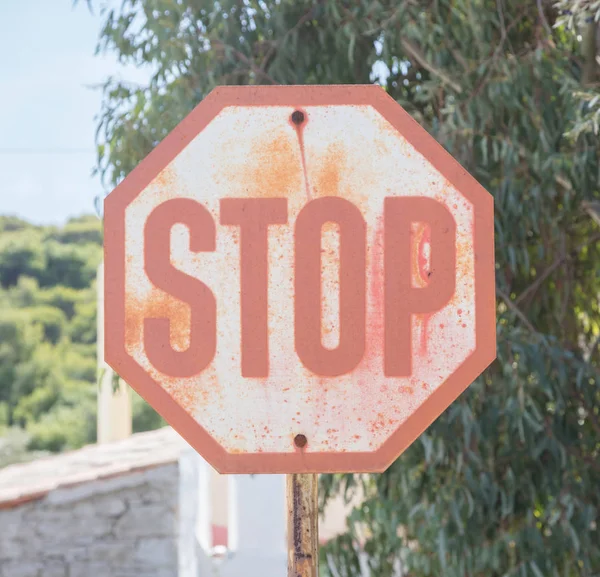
{"points": [[299, 279]]}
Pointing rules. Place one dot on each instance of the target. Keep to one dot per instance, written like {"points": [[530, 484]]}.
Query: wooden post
{"points": [[303, 525]]}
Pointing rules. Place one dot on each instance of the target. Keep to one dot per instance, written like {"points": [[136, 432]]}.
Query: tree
{"points": [[14, 448], [12, 223], [505, 482], [18, 340], [21, 254], [80, 230], [70, 264], [583, 16], [83, 326], [48, 372]]}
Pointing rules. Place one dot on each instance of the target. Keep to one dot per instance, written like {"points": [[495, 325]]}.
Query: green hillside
{"points": [[48, 321]]}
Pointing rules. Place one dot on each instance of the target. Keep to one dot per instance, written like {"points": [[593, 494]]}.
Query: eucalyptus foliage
{"points": [[507, 481]]}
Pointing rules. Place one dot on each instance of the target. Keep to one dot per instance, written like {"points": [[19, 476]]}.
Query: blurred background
{"points": [[507, 481], [50, 231]]}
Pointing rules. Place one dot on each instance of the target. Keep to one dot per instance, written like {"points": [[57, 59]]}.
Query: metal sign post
{"points": [[303, 525]]}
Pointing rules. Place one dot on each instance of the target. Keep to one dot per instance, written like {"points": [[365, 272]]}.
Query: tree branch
{"points": [[422, 60], [515, 309], [543, 18], [243, 58], [538, 281], [275, 45], [557, 262]]}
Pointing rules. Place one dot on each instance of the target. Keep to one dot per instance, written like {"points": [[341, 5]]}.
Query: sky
{"points": [[48, 108]]}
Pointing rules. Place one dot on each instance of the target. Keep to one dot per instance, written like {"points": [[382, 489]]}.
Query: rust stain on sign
{"points": [[298, 120], [271, 168], [159, 305], [329, 171], [322, 274]]}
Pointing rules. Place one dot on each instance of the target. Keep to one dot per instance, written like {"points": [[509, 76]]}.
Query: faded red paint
{"points": [[329, 172], [423, 324], [257, 152], [421, 269], [186, 392], [307, 294], [157, 305], [376, 295]]}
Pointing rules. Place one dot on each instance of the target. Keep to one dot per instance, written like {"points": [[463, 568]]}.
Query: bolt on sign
{"points": [[299, 279]]}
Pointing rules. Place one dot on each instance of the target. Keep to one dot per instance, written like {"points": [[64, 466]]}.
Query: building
{"points": [[144, 506]]}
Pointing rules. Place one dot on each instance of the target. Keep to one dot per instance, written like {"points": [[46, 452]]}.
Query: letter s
{"points": [[160, 271]]}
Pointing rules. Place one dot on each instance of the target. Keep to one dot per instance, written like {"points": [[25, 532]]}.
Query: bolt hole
{"points": [[300, 441], [297, 117]]}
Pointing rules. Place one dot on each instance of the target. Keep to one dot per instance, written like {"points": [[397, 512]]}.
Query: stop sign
{"points": [[299, 279]]}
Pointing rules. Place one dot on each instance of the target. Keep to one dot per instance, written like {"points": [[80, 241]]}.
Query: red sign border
{"points": [[297, 462]]}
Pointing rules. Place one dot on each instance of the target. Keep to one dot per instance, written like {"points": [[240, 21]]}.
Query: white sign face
{"points": [[300, 279]]}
